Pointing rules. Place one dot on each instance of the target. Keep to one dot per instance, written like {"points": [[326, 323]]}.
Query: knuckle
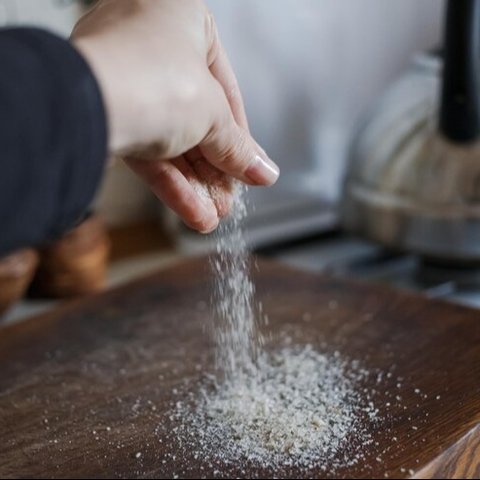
{"points": [[163, 171], [232, 93], [233, 153], [162, 175]]}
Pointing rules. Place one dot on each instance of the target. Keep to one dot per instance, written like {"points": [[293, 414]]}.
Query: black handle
{"points": [[460, 104]]}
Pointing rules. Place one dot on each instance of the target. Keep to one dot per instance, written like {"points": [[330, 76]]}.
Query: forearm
{"points": [[52, 137]]}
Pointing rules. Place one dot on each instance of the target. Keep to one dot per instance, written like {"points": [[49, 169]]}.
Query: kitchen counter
{"points": [[84, 388]]}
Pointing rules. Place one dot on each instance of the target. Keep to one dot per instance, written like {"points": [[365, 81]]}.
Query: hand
{"points": [[174, 107]]}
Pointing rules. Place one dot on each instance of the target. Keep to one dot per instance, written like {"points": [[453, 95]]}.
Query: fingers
{"points": [[176, 184], [229, 145], [221, 69], [232, 150], [219, 185]]}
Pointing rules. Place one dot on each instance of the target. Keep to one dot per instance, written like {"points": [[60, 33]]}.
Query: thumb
{"points": [[232, 149]]}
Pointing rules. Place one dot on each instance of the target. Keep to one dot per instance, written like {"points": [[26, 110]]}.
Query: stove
{"points": [[340, 254]]}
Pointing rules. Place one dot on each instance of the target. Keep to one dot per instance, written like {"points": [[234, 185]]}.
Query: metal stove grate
{"points": [[340, 254]]}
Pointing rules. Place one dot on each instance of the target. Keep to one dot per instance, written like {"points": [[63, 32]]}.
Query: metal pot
{"points": [[414, 179]]}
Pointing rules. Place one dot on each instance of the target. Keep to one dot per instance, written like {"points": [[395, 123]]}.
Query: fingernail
{"points": [[212, 227], [209, 225], [263, 171]]}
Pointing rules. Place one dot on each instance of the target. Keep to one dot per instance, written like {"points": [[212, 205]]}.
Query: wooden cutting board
{"points": [[83, 389]]}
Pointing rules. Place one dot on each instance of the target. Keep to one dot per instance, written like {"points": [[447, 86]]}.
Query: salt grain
{"points": [[299, 409]]}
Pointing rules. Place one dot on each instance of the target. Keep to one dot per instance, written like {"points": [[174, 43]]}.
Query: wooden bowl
{"points": [[76, 264], [16, 273]]}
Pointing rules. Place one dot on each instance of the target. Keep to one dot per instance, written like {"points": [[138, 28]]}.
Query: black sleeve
{"points": [[52, 137]]}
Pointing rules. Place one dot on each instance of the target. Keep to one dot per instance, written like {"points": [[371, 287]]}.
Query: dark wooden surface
{"points": [[83, 389], [461, 460]]}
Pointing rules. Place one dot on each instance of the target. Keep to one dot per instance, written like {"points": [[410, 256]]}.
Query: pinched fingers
{"points": [[177, 185], [218, 184]]}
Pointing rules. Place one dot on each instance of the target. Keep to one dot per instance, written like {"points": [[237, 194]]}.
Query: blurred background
{"points": [[309, 70]]}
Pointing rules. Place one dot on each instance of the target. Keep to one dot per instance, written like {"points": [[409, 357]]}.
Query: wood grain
{"points": [[84, 389], [459, 461]]}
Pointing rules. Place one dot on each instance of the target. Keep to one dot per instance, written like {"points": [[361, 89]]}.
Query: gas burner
{"points": [[432, 272], [342, 255]]}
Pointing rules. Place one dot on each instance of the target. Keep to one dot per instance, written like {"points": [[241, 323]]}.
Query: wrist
{"points": [[112, 98]]}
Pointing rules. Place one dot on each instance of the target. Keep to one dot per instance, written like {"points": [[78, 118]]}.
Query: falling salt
{"points": [[237, 338]]}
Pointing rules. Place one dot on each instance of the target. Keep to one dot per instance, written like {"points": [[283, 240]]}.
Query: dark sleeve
{"points": [[52, 137]]}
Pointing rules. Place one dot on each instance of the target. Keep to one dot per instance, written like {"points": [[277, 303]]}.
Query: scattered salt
{"points": [[300, 408], [290, 407]]}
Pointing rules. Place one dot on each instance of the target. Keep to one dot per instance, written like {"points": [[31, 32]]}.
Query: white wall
{"points": [[56, 15]]}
